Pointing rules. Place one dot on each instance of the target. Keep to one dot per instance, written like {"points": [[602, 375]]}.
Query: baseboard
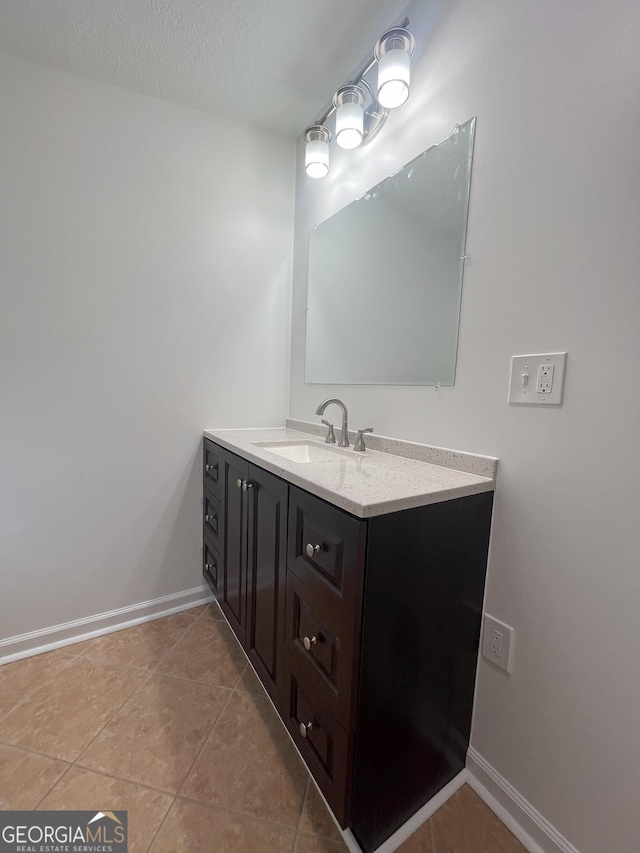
{"points": [[531, 829], [58, 636]]}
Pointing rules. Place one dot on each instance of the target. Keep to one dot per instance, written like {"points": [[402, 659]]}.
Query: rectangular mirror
{"points": [[385, 275]]}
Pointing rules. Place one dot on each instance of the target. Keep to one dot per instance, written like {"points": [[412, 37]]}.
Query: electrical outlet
{"points": [[545, 379], [497, 642]]}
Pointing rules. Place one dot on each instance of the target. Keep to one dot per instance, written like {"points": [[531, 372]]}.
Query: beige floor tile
{"points": [[214, 612], [248, 764], [26, 777], [23, 677], [155, 738], [202, 829], [464, 824], [63, 716], [316, 819], [249, 683], [420, 841], [142, 646], [315, 844], [81, 789], [211, 611], [208, 653]]}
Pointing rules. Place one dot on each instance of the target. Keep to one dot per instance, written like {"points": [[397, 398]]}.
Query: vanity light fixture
{"points": [[393, 53], [360, 112], [316, 155]]}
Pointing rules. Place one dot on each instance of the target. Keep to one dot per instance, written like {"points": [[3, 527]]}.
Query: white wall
{"points": [[145, 253], [554, 264]]}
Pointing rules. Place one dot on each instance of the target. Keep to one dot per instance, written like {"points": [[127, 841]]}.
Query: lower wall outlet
{"points": [[497, 642]]}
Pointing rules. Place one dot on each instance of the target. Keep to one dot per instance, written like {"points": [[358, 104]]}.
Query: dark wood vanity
{"points": [[363, 631]]}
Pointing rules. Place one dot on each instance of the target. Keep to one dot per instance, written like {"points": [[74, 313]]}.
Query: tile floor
{"points": [[167, 721]]}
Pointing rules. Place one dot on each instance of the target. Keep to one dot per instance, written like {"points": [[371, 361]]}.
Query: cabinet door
{"points": [[234, 542], [266, 576]]}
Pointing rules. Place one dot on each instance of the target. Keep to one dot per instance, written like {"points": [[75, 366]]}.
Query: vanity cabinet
{"points": [[364, 632]]}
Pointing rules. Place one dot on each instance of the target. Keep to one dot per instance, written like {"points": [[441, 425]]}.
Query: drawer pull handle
{"points": [[307, 642], [305, 728], [312, 549]]}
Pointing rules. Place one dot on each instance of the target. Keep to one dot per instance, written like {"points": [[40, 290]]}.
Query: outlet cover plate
{"points": [[525, 370], [505, 657]]}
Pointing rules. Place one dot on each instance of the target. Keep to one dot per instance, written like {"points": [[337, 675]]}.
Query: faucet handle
{"points": [[331, 437], [360, 445]]}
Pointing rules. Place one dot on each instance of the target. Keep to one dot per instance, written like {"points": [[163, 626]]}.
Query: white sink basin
{"points": [[304, 451]]}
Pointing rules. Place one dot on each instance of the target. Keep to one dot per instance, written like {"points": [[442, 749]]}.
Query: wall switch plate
{"points": [[538, 380], [497, 642]]}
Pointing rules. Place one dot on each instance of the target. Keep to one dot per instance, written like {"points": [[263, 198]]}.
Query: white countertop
{"points": [[365, 484]]}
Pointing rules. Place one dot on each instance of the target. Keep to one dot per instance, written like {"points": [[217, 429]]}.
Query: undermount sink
{"points": [[304, 451]]}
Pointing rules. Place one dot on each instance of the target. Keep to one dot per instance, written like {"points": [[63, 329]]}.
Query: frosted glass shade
{"points": [[316, 158], [349, 125], [394, 73]]}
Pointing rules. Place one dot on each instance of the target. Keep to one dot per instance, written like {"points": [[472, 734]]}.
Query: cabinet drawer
{"points": [[324, 647], [211, 564], [212, 519], [323, 743], [326, 550], [211, 468]]}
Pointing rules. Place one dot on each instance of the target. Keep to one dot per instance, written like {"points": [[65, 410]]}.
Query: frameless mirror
{"points": [[385, 275]]}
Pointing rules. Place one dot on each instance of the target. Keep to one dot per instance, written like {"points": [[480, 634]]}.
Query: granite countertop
{"points": [[390, 475]]}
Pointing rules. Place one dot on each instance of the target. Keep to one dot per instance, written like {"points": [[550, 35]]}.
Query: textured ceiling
{"points": [[274, 63]]}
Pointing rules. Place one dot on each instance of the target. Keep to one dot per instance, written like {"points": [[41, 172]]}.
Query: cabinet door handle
{"points": [[307, 642], [312, 549], [305, 728], [208, 518], [246, 485], [211, 467], [209, 566], [239, 483]]}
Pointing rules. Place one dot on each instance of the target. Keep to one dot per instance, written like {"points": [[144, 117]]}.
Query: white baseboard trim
{"points": [[531, 829], [58, 636]]}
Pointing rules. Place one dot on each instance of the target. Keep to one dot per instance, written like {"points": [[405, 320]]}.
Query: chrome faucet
{"points": [[344, 438]]}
